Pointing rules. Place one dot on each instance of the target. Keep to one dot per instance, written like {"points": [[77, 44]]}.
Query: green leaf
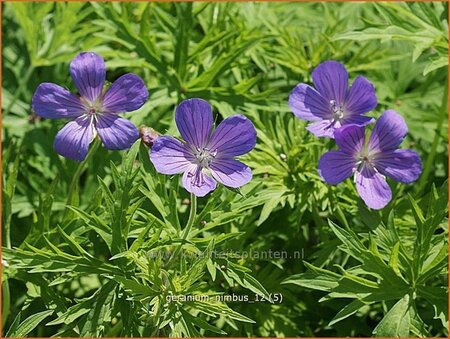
{"points": [[211, 266], [72, 314], [199, 322], [396, 323], [183, 36], [371, 259], [316, 278], [100, 312], [14, 325], [96, 224], [393, 260], [347, 311], [269, 206], [246, 280], [73, 244], [135, 288], [29, 324], [214, 308], [438, 298], [223, 62]]}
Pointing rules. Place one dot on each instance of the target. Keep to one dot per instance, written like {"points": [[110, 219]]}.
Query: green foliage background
{"points": [[80, 242]]}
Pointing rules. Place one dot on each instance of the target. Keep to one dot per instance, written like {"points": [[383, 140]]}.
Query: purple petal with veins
{"points": [[92, 112], [331, 104], [206, 156], [371, 162]]}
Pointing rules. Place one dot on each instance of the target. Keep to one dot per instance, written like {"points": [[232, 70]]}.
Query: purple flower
{"points": [[332, 104], [206, 156], [93, 112], [371, 162]]}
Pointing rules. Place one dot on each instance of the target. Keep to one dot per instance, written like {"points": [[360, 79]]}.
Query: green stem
{"points": [[191, 219], [79, 171], [187, 229], [6, 304], [5, 287], [430, 160], [8, 235], [6, 298]]}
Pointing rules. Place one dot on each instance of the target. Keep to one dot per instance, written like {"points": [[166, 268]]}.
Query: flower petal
{"points": [[169, 156], [350, 139], [88, 72], [73, 140], [402, 165], [360, 120], [389, 132], [128, 93], [51, 101], [197, 182], [331, 80], [361, 97], [234, 136], [230, 172], [307, 104], [336, 166], [115, 132], [194, 120], [373, 188], [323, 128]]}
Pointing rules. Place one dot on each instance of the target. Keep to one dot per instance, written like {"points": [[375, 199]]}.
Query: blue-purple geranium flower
{"points": [[332, 104], [206, 156], [371, 162], [93, 112]]}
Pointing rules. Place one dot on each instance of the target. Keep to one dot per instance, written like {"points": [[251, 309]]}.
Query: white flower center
{"points": [[365, 158], [337, 111], [93, 108], [204, 156], [92, 111]]}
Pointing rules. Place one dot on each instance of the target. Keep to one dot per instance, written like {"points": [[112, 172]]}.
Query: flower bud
{"points": [[148, 135]]}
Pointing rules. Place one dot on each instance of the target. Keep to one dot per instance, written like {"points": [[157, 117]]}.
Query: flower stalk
{"points": [[6, 302], [187, 229], [76, 177], [192, 213]]}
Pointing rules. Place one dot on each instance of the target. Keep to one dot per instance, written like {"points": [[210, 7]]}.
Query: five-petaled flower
{"points": [[206, 156], [332, 104], [93, 111], [370, 162]]}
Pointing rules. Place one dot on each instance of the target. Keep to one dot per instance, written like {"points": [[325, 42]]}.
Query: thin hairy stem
{"points": [[187, 229]]}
